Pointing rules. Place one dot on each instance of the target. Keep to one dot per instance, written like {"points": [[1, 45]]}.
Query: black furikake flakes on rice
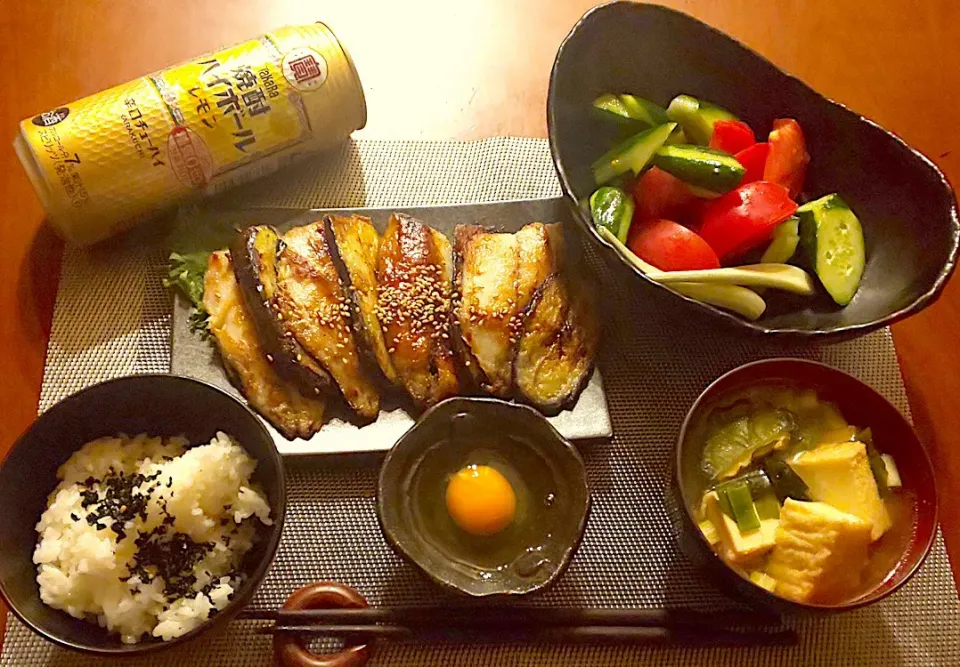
{"points": [[161, 552]]}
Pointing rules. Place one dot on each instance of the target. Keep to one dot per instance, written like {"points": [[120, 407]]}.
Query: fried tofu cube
{"points": [[736, 548], [839, 474], [820, 552]]}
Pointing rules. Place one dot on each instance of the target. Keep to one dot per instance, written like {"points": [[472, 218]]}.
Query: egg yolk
{"points": [[480, 500]]}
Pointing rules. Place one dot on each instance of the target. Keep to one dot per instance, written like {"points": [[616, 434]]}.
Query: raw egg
{"points": [[480, 500]]}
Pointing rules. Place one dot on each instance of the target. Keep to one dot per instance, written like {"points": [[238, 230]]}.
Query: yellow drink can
{"points": [[104, 163]]}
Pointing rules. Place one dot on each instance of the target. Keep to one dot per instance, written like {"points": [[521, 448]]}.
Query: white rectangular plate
{"points": [[195, 357]]}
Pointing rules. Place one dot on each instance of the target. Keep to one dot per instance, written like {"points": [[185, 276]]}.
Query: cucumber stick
{"points": [[632, 108], [611, 108], [696, 117], [783, 242], [612, 208], [833, 239], [677, 137], [712, 170], [644, 110], [611, 103], [633, 154]]}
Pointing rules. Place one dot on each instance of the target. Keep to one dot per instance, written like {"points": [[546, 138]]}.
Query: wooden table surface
{"points": [[467, 70]]}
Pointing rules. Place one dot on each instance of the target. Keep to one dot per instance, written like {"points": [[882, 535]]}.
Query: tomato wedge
{"points": [[754, 160], [732, 136], [658, 194], [670, 246], [744, 218], [788, 159]]}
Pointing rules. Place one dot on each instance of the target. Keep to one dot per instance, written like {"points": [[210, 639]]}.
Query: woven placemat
{"points": [[112, 318]]}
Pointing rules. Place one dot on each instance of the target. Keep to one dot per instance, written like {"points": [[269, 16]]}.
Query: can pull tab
{"points": [[292, 651]]}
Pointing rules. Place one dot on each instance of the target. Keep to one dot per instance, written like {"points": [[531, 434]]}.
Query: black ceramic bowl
{"points": [[908, 210], [160, 405], [861, 405], [452, 432]]}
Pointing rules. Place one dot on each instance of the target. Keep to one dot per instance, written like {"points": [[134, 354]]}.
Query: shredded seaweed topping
{"points": [[119, 500], [171, 557]]}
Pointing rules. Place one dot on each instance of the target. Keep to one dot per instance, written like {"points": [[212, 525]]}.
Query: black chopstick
{"points": [[517, 616], [579, 634]]}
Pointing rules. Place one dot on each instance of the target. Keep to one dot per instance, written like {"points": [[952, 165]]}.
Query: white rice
{"points": [[196, 501]]}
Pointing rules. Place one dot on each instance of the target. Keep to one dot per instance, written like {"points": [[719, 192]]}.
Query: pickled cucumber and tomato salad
{"points": [[692, 188], [796, 499]]}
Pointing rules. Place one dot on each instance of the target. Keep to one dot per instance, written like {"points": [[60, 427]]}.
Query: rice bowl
{"points": [[146, 535]]}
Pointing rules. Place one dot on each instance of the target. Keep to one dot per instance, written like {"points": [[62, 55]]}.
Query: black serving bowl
{"points": [[160, 405], [452, 431], [860, 405], [907, 207]]}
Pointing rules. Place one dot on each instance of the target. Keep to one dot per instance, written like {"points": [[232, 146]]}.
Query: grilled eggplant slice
{"points": [[497, 276], [354, 244], [231, 324], [471, 372], [254, 256], [557, 344], [415, 278], [315, 311]]}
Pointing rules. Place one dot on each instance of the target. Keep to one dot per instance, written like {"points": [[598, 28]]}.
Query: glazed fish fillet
{"points": [[497, 276], [315, 310], [415, 278], [355, 244], [293, 414]]}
